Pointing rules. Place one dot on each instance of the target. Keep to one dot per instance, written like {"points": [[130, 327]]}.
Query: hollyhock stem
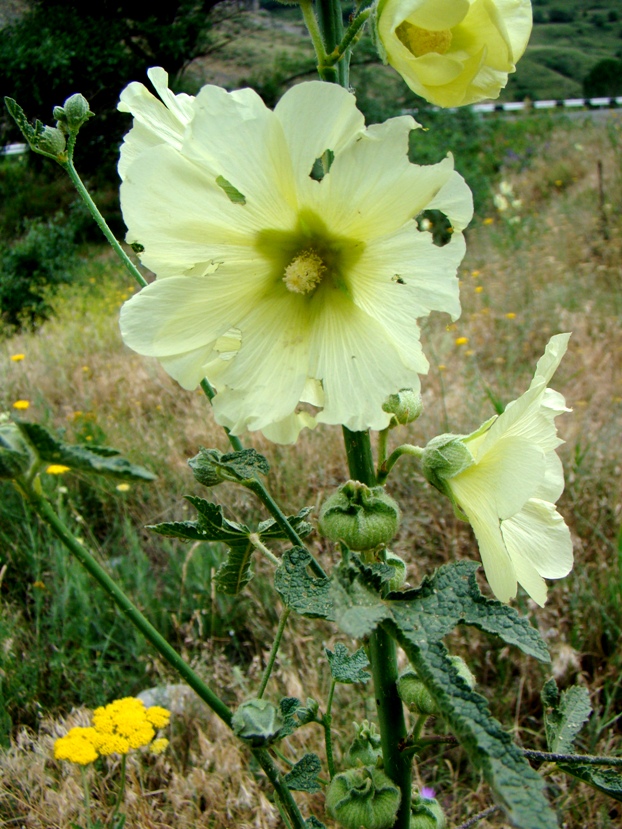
{"points": [[383, 657]]}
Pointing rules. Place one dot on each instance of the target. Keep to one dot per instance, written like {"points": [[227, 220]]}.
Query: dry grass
{"points": [[552, 271]]}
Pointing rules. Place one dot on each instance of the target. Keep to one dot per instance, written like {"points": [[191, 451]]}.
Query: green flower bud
{"points": [[415, 695], [257, 722], [363, 797], [365, 749], [76, 112], [51, 140], [426, 813], [399, 566], [444, 457], [360, 516], [405, 406]]}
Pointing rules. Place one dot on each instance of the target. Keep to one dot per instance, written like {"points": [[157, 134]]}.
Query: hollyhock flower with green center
{"points": [[290, 266], [453, 52], [505, 478]]}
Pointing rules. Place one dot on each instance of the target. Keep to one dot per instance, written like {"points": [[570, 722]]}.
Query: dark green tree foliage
{"points": [[604, 79], [59, 47]]}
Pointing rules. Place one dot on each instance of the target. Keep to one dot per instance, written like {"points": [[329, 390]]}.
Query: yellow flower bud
{"points": [[453, 52]]}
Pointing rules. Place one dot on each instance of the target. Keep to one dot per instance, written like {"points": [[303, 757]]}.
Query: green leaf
{"points": [[290, 706], [233, 194], [51, 450], [451, 597], [19, 116], [303, 777], [605, 780], [306, 594], [358, 610], [269, 529], [236, 571], [210, 526], [210, 467], [346, 667], [569, 713], [518, 788], [313, 823], [12, 463]]}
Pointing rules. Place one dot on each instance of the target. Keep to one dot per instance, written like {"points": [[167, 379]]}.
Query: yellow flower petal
{"points": [[21, 405], [17, 357]]}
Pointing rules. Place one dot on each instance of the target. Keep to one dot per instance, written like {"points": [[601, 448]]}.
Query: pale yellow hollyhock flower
{"points": [[453, 52], [506, 478], [278, 287]]}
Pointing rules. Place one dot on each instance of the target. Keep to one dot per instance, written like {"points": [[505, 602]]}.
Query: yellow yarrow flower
{"points": [[158, 717], [158, 746], [125, 724], [77, 746], [453, 52], [505, 479], [281, 282]]}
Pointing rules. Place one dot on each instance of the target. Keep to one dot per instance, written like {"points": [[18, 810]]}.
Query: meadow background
{"points": [[549, 263]]}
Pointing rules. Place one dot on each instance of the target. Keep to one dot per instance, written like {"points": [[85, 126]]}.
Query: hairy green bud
{"points": [[363, 797], [444, 457], [415, 695], [73, 113], [51, 140], [426, 813], [365, 749], [257, 722], [362, 517], [405, 406]]}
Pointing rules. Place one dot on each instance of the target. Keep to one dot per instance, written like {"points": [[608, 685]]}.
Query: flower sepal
{"points": [[362, 517], [363, 797], [445, 456], [365, 749], [258, 722]]}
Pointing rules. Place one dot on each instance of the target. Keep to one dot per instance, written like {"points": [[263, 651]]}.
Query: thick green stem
{"points": [[330, 21], [273, 652], [327, 722], [100, 221], [383, 658]]}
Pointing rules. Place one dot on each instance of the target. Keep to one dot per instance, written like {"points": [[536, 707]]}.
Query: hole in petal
{"points": [[322, 165], [436, 223]]}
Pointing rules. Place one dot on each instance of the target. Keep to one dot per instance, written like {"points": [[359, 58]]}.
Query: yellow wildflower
{"points": [[488, 220], [77, 746], [124, 724], [21, 405], [122, 487], [479, 289], [461, 340], [158, 716], [17, 357], [56, 469], [511, 315], [159, 745]]}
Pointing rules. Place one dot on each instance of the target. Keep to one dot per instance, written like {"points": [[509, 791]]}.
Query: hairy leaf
{"points": [[518, 788], [210, 526], [236, 571], [570, 712], [605, 780], [303, 777], [211, 467], [51, 450], [313, 823], [306, 594], [290, 706], [346, 667], [358, 610], [451, 597]]}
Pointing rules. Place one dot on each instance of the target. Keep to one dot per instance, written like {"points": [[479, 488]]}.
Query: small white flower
{"points": [[506, 478], [278, 287]]}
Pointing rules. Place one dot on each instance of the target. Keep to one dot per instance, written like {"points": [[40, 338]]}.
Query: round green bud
{"points": [[362, 517], [363, 797], [399, 566], [405, 406], [76, 110], [51, 141], [444, 457], [415, 695], [257, 722], [426, 813], [365, 749]]}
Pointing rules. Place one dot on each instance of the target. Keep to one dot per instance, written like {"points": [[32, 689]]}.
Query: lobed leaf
{"points": [[303, 776], [210, 467], [269, 529], [236, 571], [569, 713], [607, 781], [308, 595], [348, 668]]}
